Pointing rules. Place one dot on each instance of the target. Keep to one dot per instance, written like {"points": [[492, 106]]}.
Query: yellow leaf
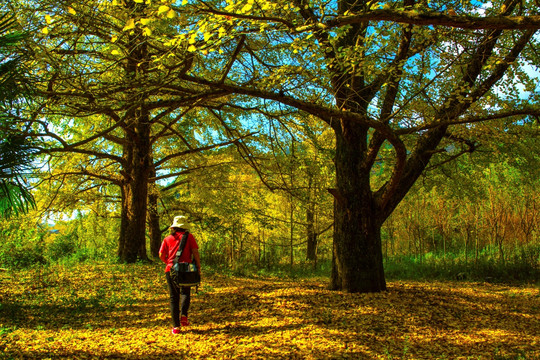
{"points": [[114, 38], [145, 21], [222, 31], [129, 25], [192, 48], [184, 2], [48, 19], [139, 1], [207, 36], [163, 9], [246, 8], [115, 52], [171, 14], [45, 30], [147, 31], [71, 10]]}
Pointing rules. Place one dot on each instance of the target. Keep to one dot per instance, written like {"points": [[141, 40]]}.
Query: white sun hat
{"points": [[180, 222]]}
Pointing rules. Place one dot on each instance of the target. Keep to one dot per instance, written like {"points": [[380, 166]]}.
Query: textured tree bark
{"points": [[358, 261], [137, 152], [311, 235], [132, 242], [154, 230], [311, 253]]}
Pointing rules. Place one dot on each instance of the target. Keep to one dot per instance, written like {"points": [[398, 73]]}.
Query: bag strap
{"points": [[181, 247]]}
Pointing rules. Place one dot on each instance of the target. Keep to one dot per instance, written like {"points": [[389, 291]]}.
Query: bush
{"points": [[63, 246], [22, 256]]}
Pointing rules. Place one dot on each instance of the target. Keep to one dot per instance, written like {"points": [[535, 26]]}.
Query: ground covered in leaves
{"points": [[116, 311]]}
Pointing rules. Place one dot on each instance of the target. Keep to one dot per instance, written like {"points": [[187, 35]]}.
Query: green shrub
{"points": [[22, 256], [63, 246], [521, 264]]}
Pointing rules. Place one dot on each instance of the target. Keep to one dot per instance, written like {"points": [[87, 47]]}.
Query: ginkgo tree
{"points": [[405, 83], [121, 117]]}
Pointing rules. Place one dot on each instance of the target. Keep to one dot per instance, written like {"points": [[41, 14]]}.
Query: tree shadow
{"points": [[420, 320]]}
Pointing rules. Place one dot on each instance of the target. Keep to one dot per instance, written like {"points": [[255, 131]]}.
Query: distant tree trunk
{"points": [[311, 234], [291, 237], [154, 230], [310, 229]]}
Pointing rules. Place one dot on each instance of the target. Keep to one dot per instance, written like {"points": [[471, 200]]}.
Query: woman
{"points": [[167, 253]]}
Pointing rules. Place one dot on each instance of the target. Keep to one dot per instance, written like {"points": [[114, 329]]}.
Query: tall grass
{"points": [[520, 265]]}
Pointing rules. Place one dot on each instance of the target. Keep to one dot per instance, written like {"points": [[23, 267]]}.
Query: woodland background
{"points": [[288, 133], [253, 177]]}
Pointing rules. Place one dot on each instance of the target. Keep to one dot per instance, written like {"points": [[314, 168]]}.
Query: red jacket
{"points": [[170, 246]]}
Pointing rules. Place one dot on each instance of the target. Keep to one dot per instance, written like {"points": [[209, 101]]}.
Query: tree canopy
{"points": [[403, 86]]}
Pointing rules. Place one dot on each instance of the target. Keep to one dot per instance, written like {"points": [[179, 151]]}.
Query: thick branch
{"points": [[472, 119], [415, 17]]}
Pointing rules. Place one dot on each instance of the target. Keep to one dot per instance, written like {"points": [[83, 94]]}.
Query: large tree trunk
{"points": [[132, 243], [358, 260], [137, 150], [357, 252]]}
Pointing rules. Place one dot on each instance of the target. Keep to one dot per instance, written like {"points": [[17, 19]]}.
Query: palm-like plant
{"points": [[15, 150]]}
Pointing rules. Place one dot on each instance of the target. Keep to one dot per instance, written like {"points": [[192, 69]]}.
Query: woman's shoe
{"points": [[184, 321]]}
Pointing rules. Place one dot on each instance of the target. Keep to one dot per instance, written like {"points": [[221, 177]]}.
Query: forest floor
{"points": [[121, 312]]}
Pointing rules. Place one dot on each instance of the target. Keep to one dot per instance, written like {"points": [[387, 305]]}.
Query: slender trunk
{"points": [[467, 238], [154, 230], [311, 235], [258, 245], [310, 220], [123, 226], [291, 239]]}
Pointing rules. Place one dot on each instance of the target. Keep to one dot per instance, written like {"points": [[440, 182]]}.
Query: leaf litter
{"points": [[121, 312]]}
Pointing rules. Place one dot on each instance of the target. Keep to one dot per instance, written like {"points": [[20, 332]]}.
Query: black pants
{"points": [[177, 297]]}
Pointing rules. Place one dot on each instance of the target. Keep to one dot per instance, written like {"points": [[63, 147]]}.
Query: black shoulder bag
{"points": [[183, 273]]}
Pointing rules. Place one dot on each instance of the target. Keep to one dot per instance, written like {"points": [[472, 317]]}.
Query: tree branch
{"points": [[417, 17], [473, 119], [191, 151]]}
